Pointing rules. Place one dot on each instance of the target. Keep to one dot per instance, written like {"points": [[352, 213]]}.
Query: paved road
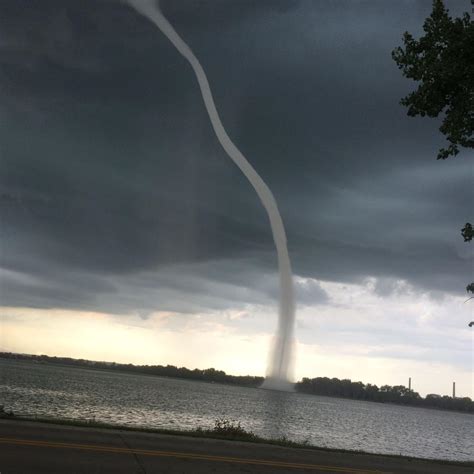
{"points": [[41, 448]]}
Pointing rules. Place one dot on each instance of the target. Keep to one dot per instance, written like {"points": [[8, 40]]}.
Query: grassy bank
{"points": [[224, 430]]}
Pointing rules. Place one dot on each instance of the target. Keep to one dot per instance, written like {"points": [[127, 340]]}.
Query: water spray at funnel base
{"points": [[281, 358]]}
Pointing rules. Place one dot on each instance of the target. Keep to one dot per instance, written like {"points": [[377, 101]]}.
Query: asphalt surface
{"points": [[30, 447]]}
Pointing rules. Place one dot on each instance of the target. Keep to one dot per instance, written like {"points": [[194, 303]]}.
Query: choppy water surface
{"points": [[180, 404]]}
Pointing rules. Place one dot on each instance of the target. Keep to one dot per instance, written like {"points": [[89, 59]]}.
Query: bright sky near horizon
{"points": [[129, 236], [360, 335]]}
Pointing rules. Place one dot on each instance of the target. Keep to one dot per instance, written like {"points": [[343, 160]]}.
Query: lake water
{"points": [[158, 402]]}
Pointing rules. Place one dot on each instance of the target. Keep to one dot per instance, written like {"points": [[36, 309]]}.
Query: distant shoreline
{"points": [[114, 370], [121, 371], [321, 386]]}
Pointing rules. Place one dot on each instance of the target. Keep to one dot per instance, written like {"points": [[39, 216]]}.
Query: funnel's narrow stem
{"points": [[281, 357]]}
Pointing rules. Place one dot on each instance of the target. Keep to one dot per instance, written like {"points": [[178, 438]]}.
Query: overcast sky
{"points": [[128, 234]]}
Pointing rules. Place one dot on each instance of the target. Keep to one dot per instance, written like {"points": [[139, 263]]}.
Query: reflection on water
{"points": [[278, 407], [156, 402]]}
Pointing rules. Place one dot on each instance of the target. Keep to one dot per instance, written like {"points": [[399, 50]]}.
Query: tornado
{"points": [[279, 375]]}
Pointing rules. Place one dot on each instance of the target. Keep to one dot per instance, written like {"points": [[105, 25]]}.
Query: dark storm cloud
{"points": [[223, 13], [110, 170], [212, 285]]}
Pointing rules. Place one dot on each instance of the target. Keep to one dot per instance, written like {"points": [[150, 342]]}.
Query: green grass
{"points": [[223, 429]]}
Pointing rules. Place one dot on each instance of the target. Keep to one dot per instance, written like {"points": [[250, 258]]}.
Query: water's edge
{"points": [[207, 435], [109, 397]]}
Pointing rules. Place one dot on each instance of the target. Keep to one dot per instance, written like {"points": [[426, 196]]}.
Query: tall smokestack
{"points": [[454, 389], [409, 384]]}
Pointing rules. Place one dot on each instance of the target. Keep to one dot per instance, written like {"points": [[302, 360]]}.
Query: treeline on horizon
{"points": [[385, 394], [331, 387], [206, 375]]}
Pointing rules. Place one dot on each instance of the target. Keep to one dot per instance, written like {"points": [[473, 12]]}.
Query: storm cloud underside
{"points": [[89, 92]]}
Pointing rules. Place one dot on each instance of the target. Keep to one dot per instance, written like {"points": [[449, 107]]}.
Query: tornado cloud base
{"points": [[281, 385], [280, 365]]}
